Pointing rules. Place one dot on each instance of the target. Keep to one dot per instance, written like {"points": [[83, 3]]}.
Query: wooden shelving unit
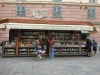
{"points": [[66, 43]]}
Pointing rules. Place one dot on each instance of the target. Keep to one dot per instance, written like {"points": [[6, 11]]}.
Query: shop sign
{"points": [[39, 13]]}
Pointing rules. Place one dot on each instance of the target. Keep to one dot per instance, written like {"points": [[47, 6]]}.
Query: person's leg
{"points": [[88, 53], [50, 53], [95, 50], [39, 53], [43, 52]]}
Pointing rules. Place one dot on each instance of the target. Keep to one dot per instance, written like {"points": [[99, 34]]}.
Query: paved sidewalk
{"points": [[57, 66]]}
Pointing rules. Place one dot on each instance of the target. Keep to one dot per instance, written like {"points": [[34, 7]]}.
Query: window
{"points": [[91, 13], [92, 1], [20, 11], [57, 0], [56, 12], [20, 0]]}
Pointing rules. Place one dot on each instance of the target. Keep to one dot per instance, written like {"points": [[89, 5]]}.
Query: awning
{"points": [[2, 26], [49, 27]]}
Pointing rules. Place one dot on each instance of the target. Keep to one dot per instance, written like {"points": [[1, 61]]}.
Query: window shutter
{"points": [[90, 1], [93, 1], [18, 10], [93, 13], [22, 8], [57, 0], [89, 13]]}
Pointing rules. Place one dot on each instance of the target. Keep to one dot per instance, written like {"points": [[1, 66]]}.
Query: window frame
{"points": [[92, 1], [57, 0], [91, 13], [20, 11], [57, 12]]}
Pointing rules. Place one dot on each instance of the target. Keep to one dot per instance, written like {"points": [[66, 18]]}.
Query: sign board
{"points": [[39, 13]]}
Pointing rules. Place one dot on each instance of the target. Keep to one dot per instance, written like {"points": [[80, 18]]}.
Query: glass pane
{"points": [[18, 8], [23, 13], [57, 14], [22, 8], [56, 9], [18, 13]]}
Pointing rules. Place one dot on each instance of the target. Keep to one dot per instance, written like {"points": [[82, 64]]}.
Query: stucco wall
{"points": [[4, 35], [75, 1], [69, 13]]}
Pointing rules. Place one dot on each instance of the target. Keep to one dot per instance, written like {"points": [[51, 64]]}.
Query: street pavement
{"points": [[79, 65]]}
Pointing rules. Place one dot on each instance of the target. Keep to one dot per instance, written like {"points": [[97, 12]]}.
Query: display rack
{"points": [[27, 41], [9, 51], [32, 51], [67, 43]]}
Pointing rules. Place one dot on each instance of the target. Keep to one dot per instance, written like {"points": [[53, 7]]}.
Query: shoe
{"points": [[39, 57], [51, 58]]}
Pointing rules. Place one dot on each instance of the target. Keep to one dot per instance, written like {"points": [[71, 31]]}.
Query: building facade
{"points": [[63, 10]]}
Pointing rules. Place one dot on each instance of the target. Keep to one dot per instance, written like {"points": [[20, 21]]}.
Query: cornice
{"points": [[51, 3]]}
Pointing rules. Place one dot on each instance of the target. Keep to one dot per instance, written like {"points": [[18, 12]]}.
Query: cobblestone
{"points": [[58, 66]]}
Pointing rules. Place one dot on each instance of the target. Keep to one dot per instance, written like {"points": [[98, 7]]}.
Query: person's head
{"points": [[93, 40], [37, 41]]}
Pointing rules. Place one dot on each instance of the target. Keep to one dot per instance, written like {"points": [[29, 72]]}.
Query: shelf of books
{"points": [[66, 43], [22, 42]]}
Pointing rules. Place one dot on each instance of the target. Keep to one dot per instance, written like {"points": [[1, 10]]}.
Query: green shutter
{"points": [[93, 13], [89, 13]]}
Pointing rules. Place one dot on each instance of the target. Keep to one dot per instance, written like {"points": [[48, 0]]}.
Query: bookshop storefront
{"points": [[69, 37]]}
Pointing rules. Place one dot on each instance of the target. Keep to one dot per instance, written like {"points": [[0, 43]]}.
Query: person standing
{"points": [[51, 51], [94, 46], [88, 47]]}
